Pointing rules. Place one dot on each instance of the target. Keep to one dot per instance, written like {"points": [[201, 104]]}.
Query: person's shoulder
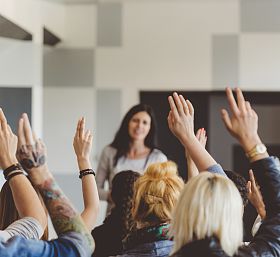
{"points": [[158, 155], [109, 150]]}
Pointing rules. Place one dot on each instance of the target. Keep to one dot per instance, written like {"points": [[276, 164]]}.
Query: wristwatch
{"points": [[257, 149]]}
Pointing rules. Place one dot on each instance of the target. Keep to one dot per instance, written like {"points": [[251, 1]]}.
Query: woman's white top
{"points": [[106, 170], [27, 227]]}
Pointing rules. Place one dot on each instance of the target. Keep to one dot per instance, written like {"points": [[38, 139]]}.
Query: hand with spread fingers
{"points": [[31, 151], [181, 117], [243, 124], [255, 196], [8, 143], [181, 123]]}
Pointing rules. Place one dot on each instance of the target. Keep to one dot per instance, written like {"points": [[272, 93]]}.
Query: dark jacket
{"points": [[267, 240], [154, 249]]}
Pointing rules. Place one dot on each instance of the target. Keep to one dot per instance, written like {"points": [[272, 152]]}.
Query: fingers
{"points": [[21, 137], [249, 187], [252, 178], [178, 103], [3, 120], [82, 127], [190, 106], [226, 119], [184, 104], [240, 100], [173, 107], [27, 130], [232, 103], [248, 108]]}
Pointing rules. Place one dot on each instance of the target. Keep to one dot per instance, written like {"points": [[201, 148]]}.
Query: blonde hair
{"points": [[210, 205], [8, 210], [156, 193]]}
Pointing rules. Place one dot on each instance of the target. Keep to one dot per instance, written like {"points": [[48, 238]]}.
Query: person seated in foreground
{"points": [[156, 193], [208, 216], [119, 222], [74, 238]]}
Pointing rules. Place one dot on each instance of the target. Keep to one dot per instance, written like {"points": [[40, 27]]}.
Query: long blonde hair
{"points": [[156, 193], [210, 205], [8, 210]]}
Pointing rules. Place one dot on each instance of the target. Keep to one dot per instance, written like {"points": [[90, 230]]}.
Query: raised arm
{"points": [[180, 122], [192, 169], [23, 192], [255, 196], [82, 145], [33, 158]]}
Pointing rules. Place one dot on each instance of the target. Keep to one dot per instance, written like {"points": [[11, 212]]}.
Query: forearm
{"points": [[192, 169], [90, 196], [25, 196], [198, 153], [63, 215]]}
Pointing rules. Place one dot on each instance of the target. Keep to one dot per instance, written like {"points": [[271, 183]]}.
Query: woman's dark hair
{"points": [[122, 138], [241, 184], [122, 196]]}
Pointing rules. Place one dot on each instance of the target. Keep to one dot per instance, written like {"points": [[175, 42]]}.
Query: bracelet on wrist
{"points": [[13, 174], [86, 172], [12, 168]]}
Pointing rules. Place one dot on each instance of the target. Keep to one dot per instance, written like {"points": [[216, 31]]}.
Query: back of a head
{"points": [[241, 184], [210, 205], [8, 211], [156, 193], [122, 186]]}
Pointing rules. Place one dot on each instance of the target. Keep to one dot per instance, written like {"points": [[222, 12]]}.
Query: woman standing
{"points": [[133, 148]]}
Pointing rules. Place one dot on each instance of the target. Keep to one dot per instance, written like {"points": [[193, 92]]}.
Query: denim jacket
{"points": [[70, 244]]}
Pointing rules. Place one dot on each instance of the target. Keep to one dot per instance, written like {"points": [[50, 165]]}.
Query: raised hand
{"points": [[192, 169], [243, 124], [31, 151], [181, 123], [201, 136], [8, 143], [82, 145], [255, 196], [181, 117]]}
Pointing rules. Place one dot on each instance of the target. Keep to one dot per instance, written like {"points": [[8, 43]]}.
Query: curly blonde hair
{"points": [[156, 193]]}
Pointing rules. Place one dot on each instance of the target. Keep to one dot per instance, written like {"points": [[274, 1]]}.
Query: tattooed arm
{"points": [[23, 192], [32, 155], [82, 145]]}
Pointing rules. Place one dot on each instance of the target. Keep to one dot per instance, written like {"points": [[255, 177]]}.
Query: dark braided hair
{"points": [[241, 184], [122, 196]]}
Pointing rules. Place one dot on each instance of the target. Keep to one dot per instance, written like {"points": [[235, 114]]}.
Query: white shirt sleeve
{"points": [[27, 227]]}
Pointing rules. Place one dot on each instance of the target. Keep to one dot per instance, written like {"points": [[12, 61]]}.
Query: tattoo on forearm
{"points": [[31, 156], [63, 215]]}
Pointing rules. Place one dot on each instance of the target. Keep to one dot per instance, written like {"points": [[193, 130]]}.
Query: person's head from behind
{"points": [[122, 196], [138, 124], [8, 210], [210, 205], [156, 194], [241, 184]]}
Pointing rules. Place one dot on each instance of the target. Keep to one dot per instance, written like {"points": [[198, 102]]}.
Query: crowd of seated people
{"points": [[152, 214]]}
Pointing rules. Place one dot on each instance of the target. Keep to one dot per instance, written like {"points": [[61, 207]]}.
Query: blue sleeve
{"points": [[70, 244], [216, 168]]}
